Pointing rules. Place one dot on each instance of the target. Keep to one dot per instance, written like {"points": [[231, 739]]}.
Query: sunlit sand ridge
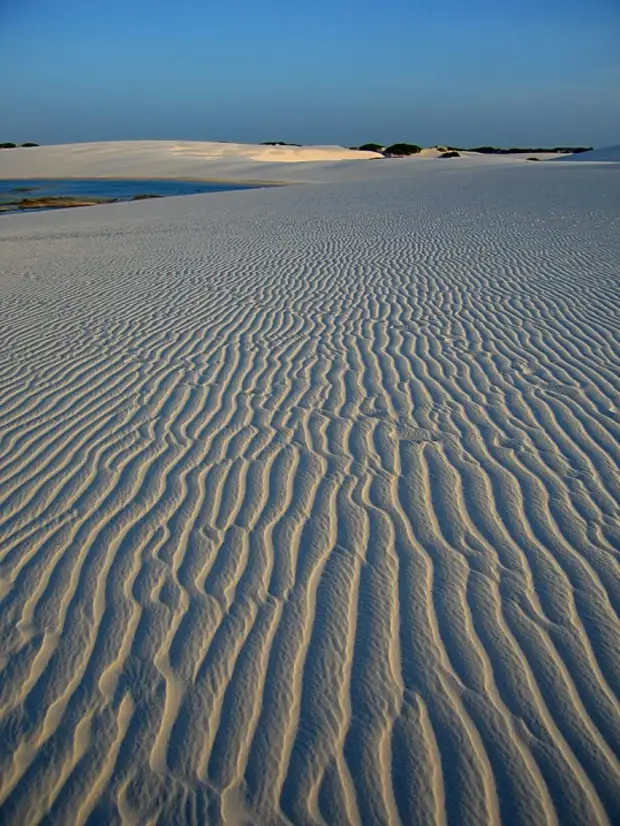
{"points": [[164, 159], [208, 160], [309, 503]]}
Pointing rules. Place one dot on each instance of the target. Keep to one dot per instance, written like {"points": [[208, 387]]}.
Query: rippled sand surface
{"points": [[309, 504]]}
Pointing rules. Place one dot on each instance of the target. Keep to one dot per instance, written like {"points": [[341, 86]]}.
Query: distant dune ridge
{"points": [[202, 160], [162, 159], [309, 497]]}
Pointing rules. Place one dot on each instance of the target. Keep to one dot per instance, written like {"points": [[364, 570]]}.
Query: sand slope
{"points": [[309, 505], [607, 154]]}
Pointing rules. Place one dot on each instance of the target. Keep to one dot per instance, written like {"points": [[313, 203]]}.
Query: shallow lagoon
{"points": [[102, 188]]}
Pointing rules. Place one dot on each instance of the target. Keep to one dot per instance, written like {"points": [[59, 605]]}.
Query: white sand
{"points": [[164, 159], [217, 161], [309, 502]]}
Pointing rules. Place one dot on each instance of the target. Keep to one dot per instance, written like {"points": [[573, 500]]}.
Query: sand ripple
{"points": [[309, 506]]}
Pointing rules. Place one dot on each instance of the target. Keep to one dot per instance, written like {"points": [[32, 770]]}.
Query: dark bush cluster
{"points": [[402, 149], [568, 150], [396, 150], [452, 153], [370, 147], [515, 150]]}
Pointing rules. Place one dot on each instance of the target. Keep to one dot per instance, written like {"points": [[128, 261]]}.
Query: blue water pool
{"points": [[121, 190]]}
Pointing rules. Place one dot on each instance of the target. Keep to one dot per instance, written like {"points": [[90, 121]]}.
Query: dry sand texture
{"points": [[309, 504]]}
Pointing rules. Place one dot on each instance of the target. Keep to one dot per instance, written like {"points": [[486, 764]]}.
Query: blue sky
{"points": [[484, 71]]}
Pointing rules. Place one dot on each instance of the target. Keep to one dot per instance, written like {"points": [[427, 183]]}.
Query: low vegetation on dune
{"points": [[402, 149], [9, 145], [396, 150], [370, 147], [278, 143], [494, 150]]}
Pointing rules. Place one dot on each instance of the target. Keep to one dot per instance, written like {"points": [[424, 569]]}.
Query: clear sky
{"points": [[519, 72]]}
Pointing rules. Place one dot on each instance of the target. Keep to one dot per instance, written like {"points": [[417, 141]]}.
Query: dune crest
{"points": [[309, 504], [202, 160], [165, 159]]}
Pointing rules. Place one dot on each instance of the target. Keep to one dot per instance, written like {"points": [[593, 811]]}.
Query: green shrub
{"points": [[7, 145], [370, 147], [451, 154], [24, 145], [403, 149]]}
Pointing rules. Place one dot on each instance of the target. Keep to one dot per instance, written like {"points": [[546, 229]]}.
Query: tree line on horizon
{"points": [[16, 146], [404, 149]]}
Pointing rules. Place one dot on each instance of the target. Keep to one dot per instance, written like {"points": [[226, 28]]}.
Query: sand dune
{"points": [[195, 160], [607, 154], [309, 504]]}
